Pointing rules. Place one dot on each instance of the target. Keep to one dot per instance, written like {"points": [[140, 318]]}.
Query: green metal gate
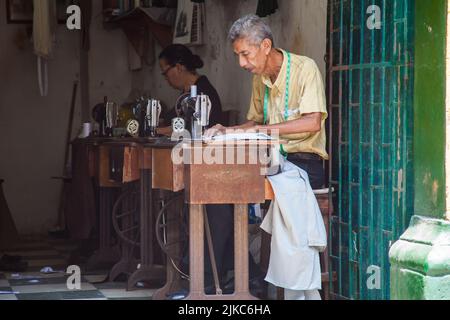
{"points": [[370, 94]]}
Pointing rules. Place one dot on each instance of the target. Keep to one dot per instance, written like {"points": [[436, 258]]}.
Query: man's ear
{"points": [[266, 45]]}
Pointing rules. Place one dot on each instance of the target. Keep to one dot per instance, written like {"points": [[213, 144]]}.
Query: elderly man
{"points": [[288, 98]]}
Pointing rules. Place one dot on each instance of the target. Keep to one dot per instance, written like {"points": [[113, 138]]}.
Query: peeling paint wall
{"points": [[429, 108], [447, 117], [33, 128], [420, 267]]}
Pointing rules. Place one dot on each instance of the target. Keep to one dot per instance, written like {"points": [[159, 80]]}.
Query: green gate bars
{"points": [[370, 97]]}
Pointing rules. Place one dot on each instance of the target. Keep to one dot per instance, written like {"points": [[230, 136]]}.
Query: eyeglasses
{"points": [[164, 74]]}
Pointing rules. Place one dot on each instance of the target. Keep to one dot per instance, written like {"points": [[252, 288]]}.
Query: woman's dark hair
{"points": [[177, 53]]}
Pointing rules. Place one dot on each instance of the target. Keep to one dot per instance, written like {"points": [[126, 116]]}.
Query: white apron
{"points": [[298, 232]]}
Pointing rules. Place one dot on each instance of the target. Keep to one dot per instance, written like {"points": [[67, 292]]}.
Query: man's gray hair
{"points": [[252, 28]]}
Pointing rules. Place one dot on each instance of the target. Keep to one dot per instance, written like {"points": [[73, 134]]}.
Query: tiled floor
{"points": [[34, 285]]}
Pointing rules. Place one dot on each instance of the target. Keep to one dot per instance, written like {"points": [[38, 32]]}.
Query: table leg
{"points": [[196, 253], [128, 263], [107, 254], [147, 271], [241, 263], [173, 282], [173, 277]]}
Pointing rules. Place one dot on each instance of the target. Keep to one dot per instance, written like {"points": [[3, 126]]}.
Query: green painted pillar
{"points": [[420, 259]]}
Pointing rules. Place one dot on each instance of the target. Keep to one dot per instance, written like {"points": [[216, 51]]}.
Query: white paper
{"points": [[242, 136]]}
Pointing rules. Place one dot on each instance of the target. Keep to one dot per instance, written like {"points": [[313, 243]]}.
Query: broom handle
{"points": [[70, 127], [61, 217]]}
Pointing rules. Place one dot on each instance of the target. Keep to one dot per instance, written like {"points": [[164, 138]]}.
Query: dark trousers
{"points": [[221, 223], [314, 169]]}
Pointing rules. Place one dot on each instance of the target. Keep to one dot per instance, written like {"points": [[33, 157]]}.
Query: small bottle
{"points": [[148, 118], [103, 123], [195, 125], [193, 91]]}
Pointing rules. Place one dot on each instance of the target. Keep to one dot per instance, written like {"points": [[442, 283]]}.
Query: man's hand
{"points": [[217, 130]]}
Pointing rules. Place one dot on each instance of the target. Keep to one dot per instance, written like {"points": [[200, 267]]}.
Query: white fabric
{"points": [[42, 76], [301, 295], [298, 232], [44, 23]]}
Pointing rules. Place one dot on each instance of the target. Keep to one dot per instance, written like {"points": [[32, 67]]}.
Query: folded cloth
{"points": [[301, 295], [44, 27], [298, 232]]}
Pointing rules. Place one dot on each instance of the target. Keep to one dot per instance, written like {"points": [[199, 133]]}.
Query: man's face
{"points": [[252, 58]]}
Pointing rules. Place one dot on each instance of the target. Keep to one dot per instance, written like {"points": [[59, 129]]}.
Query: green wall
{"points": [[420, 260], [429, 110]]}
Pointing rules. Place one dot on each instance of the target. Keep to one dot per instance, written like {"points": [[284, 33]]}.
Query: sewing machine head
{"points": [[193, 111], [152, 115], [112, 116], [201, 117]]}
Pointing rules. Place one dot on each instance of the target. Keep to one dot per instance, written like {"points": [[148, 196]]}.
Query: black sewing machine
{"points": [[193, 112]]}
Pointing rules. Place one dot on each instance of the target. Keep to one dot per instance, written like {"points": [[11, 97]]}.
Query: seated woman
{"points": [[179, 66]]}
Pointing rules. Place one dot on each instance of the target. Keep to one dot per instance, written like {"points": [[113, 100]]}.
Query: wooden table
{"points": [[204, 184], [107, 253], [169, 177], [125, 158], [137, 166], [241, 184], [238, 184]]}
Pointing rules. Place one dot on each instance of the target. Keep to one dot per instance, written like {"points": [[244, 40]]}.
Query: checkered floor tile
{"points": [[34, 285]]}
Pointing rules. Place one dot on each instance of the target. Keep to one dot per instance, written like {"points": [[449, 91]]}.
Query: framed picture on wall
{"points": [[189, 23], [183, 24], [21, 11]]}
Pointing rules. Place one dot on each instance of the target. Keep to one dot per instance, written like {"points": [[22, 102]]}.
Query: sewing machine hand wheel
{"points": [[172, 230], [125, 218], [180, 105]]}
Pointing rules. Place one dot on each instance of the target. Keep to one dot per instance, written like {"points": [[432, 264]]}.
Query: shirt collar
{"points": [[280, 82]]}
